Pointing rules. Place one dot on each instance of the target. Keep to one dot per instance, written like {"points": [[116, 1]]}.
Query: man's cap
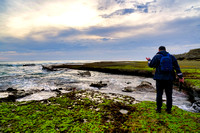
{"points": [[162, 48]]}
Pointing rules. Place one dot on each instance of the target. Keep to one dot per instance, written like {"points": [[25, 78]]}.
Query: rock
{"points": [[56, 67], [128, 82], [48, 68], [11, 90], [127, 89], [57, 91], [196, 106], [85, 74], [70, 89], [11, 98], [145, 86], [29, 65], [123, 111], [146, 83], [98, 85], [14, 94], [22, 93]]}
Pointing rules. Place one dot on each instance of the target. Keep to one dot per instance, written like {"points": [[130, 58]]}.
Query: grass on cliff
{"points": [[68, 114], [191, 71], [123, 65]]}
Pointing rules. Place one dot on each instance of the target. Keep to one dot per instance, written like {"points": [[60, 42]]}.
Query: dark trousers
{"points": [[166, 85]]}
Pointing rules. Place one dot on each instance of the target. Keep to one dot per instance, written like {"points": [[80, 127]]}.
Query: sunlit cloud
{"points": [[25, 18], [22, 18]]}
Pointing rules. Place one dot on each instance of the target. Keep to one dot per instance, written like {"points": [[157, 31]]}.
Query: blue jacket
{"points": [[159, 75]]}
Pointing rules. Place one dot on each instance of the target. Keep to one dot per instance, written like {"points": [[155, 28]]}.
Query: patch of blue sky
{"points": [[142, 8], [3, 5], [119, 12], [120, 1]]}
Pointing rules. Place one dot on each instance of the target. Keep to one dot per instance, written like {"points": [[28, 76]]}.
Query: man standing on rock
{"points": [[165, 65]]}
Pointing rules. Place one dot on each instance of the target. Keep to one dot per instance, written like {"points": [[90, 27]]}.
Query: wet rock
{"points": [[128, 89], [18, 93], [196, 106], [146, 83], [11, 90], [128, 82], [145, 86], [57, 91], [48, 68], [29, 65], [57, 67], [10, 98], [38, 96], [14, 94], [60, 88], [22, 93], [70, 88], [85, 74], [98, 85]]}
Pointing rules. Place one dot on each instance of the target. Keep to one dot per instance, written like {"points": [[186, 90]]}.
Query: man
{"points": [[165, 65]]}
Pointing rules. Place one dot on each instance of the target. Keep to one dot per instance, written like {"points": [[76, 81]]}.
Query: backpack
{"points": [[166, 63]]}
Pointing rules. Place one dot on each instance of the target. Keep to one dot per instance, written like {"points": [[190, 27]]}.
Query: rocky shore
{"points": [[117, 68], [135, 68], [12, 95], [58, 79]]}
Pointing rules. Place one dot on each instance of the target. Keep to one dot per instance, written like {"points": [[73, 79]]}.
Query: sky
{"points": [[32, 30]]}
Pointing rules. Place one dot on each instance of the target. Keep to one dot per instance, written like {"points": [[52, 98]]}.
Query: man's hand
{"points": [[181, 80], [148, 58]]}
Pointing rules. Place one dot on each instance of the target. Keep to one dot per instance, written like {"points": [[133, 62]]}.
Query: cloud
{"points": [[76, 28], [24, 18]]}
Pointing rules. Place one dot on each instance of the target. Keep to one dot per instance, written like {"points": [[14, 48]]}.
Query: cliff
{"points": [[193, 54]]}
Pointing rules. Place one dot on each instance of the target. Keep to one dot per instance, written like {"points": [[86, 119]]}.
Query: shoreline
{"points": [[135, 68]]}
